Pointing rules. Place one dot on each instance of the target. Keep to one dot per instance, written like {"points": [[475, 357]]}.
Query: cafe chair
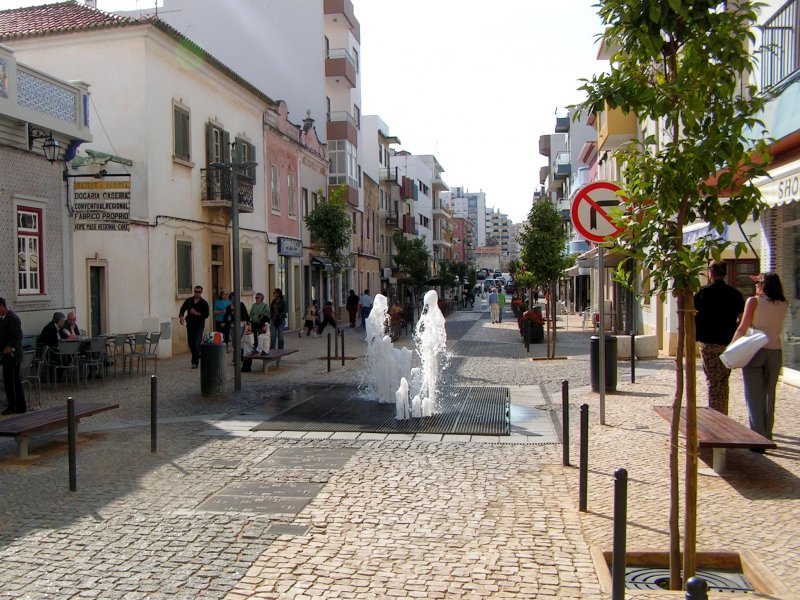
{"points": [[148, 350], [93, 359], [30, 371]]}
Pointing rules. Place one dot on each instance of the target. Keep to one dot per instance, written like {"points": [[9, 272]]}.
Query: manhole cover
{"points": [[309, 458], [657, 578], [460, 410], [261, 497]]}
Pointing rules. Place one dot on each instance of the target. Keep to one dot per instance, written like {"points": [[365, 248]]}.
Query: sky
{"points": [[477, 83], [471, 82]]}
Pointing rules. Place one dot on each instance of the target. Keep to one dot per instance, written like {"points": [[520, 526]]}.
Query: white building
{"points": [[168, 109], [468, 205]]}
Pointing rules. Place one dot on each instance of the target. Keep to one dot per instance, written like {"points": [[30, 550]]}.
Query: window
{"points": [[217, 144], [247, 269], [314, 200], [357, 115], [183, 266], [29, 250], [246, 152], [343, 163], [181, 139], [276, 192], [356, 60], [290, 183], [304, 200]]}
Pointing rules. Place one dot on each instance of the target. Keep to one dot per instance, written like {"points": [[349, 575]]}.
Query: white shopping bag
{"points": [[740, 352]]}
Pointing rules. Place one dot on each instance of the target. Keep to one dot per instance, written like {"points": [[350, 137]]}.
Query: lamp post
{"points": [[233, 168]]}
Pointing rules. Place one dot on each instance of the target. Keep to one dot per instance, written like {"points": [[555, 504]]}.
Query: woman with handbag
{"points": [[765, 311]]}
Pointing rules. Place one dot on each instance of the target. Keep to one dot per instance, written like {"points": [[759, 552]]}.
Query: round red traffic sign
{"points": [[590, 214]]}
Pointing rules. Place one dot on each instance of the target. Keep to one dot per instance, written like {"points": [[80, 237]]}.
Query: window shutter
{"points": [[251, 172], [209, 143], [226, 147], [181, 124]]}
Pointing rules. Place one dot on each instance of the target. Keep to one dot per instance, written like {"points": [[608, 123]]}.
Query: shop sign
{"points": [[783, 186], [101, 205], [290, 246]]}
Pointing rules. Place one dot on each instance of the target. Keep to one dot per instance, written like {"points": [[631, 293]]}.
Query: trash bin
{"points": [[610, 362], [212, 369]]}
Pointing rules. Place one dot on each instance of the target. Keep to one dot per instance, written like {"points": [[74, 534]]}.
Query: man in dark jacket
{"points": [[11, 346], [719, 308], [196, 310]]}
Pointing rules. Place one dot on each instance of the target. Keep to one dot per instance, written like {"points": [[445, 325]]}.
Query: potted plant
{"points": [[535, 322], [518, 307]]}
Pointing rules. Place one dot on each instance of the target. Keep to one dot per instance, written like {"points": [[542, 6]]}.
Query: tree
{"points": [[681, 64], [330, 224], [412, 260], [543, 242]]}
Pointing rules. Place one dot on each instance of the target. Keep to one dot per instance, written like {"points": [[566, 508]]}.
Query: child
{"points": [[310, 319], [263, 339], [247, 347]]}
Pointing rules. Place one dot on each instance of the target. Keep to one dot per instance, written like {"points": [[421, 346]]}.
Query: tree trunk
{"points": [[690, 510], [674, 481], [555, 331]]}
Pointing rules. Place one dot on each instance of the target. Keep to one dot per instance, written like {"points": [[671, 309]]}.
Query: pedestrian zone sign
{"points": [[590, 211]]}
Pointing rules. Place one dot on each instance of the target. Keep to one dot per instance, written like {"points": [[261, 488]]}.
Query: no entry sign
{"points": [[590, 211]]}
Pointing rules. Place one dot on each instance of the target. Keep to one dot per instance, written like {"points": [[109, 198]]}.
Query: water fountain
{"points": [[388, 376]]}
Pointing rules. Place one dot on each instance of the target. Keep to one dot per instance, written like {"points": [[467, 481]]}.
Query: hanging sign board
{"points": [[102, 204], [590, 215]]}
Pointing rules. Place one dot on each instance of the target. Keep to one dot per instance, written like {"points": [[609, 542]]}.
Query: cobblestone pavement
{"points": [[223, 512]]}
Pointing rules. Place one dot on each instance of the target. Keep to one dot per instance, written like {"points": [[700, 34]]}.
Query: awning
{"points": [[782, 185], [322, 262], [696, 231], [589, 259]]}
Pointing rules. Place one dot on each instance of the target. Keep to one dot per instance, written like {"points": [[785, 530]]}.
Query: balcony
{"points": [[561, 166], [544, 145], [392, 221], [391, 176], [350, 192], [614, 128], [341, 66], [562, 124], [544, 173], [216, 190], [408, 224], [779, 56], [335, 8], [343, 126], [442, 244], [438, 183]]}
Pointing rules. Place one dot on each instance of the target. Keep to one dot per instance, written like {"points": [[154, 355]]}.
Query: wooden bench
{"points": [[21, 427], [719, 432], [275, 355]]}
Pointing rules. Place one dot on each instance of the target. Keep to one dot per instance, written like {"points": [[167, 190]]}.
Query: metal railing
{"points": [[780, 51], [342, 53], [217, 185], [337, 116]]}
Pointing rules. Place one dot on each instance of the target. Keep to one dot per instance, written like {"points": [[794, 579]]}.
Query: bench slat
{"points": [[49, 418], [715, 430], [273, 355]]}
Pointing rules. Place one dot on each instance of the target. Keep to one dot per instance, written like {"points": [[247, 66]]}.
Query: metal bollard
{"points": [[620, 527], [342, 332], [583, 480], [633, 358], [153, 413], [565, 423], [696, 589], [72, 445], [329, 352]]}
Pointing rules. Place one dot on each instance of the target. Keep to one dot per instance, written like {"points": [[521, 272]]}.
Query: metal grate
{"points": [[657, 578], [462, 410]]}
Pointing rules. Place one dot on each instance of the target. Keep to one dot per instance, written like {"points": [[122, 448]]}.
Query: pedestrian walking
{"points": [[196, 311], [327, 317], [310, 318], [765, 311], [11, 359], [501, 303], [719, 307], [365, 302], [352, 307], [494, 306], [277, 315]]}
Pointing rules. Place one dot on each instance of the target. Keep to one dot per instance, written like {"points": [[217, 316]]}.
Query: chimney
{"points": [[91, 3]]}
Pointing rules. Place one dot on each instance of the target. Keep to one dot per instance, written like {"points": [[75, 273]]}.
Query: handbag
{"points": [[740, 352]]}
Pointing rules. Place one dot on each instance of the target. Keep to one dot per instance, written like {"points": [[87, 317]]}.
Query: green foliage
{"points": [[514, 266], [412, 260], [330, 224], [543, 244], [679, 63]]}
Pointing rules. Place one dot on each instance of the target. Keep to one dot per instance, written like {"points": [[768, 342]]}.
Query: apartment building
{"points": [[468, 205]]}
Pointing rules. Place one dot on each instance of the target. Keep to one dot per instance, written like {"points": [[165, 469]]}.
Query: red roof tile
{"points": [[62, 17]]}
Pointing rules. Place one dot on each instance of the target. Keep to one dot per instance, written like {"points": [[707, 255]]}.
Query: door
{"points": [[97, 300]]}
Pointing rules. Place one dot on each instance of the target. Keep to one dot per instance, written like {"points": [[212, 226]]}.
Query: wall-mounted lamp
{"points": [[50, 146]]}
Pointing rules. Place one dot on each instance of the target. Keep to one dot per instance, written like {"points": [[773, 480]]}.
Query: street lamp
{"points": [[234, 168], [50, 146]]}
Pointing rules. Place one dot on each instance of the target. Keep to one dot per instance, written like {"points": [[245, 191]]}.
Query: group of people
{"points": [[60, 327], [722, 317], [497, 301], [263, 324]]}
